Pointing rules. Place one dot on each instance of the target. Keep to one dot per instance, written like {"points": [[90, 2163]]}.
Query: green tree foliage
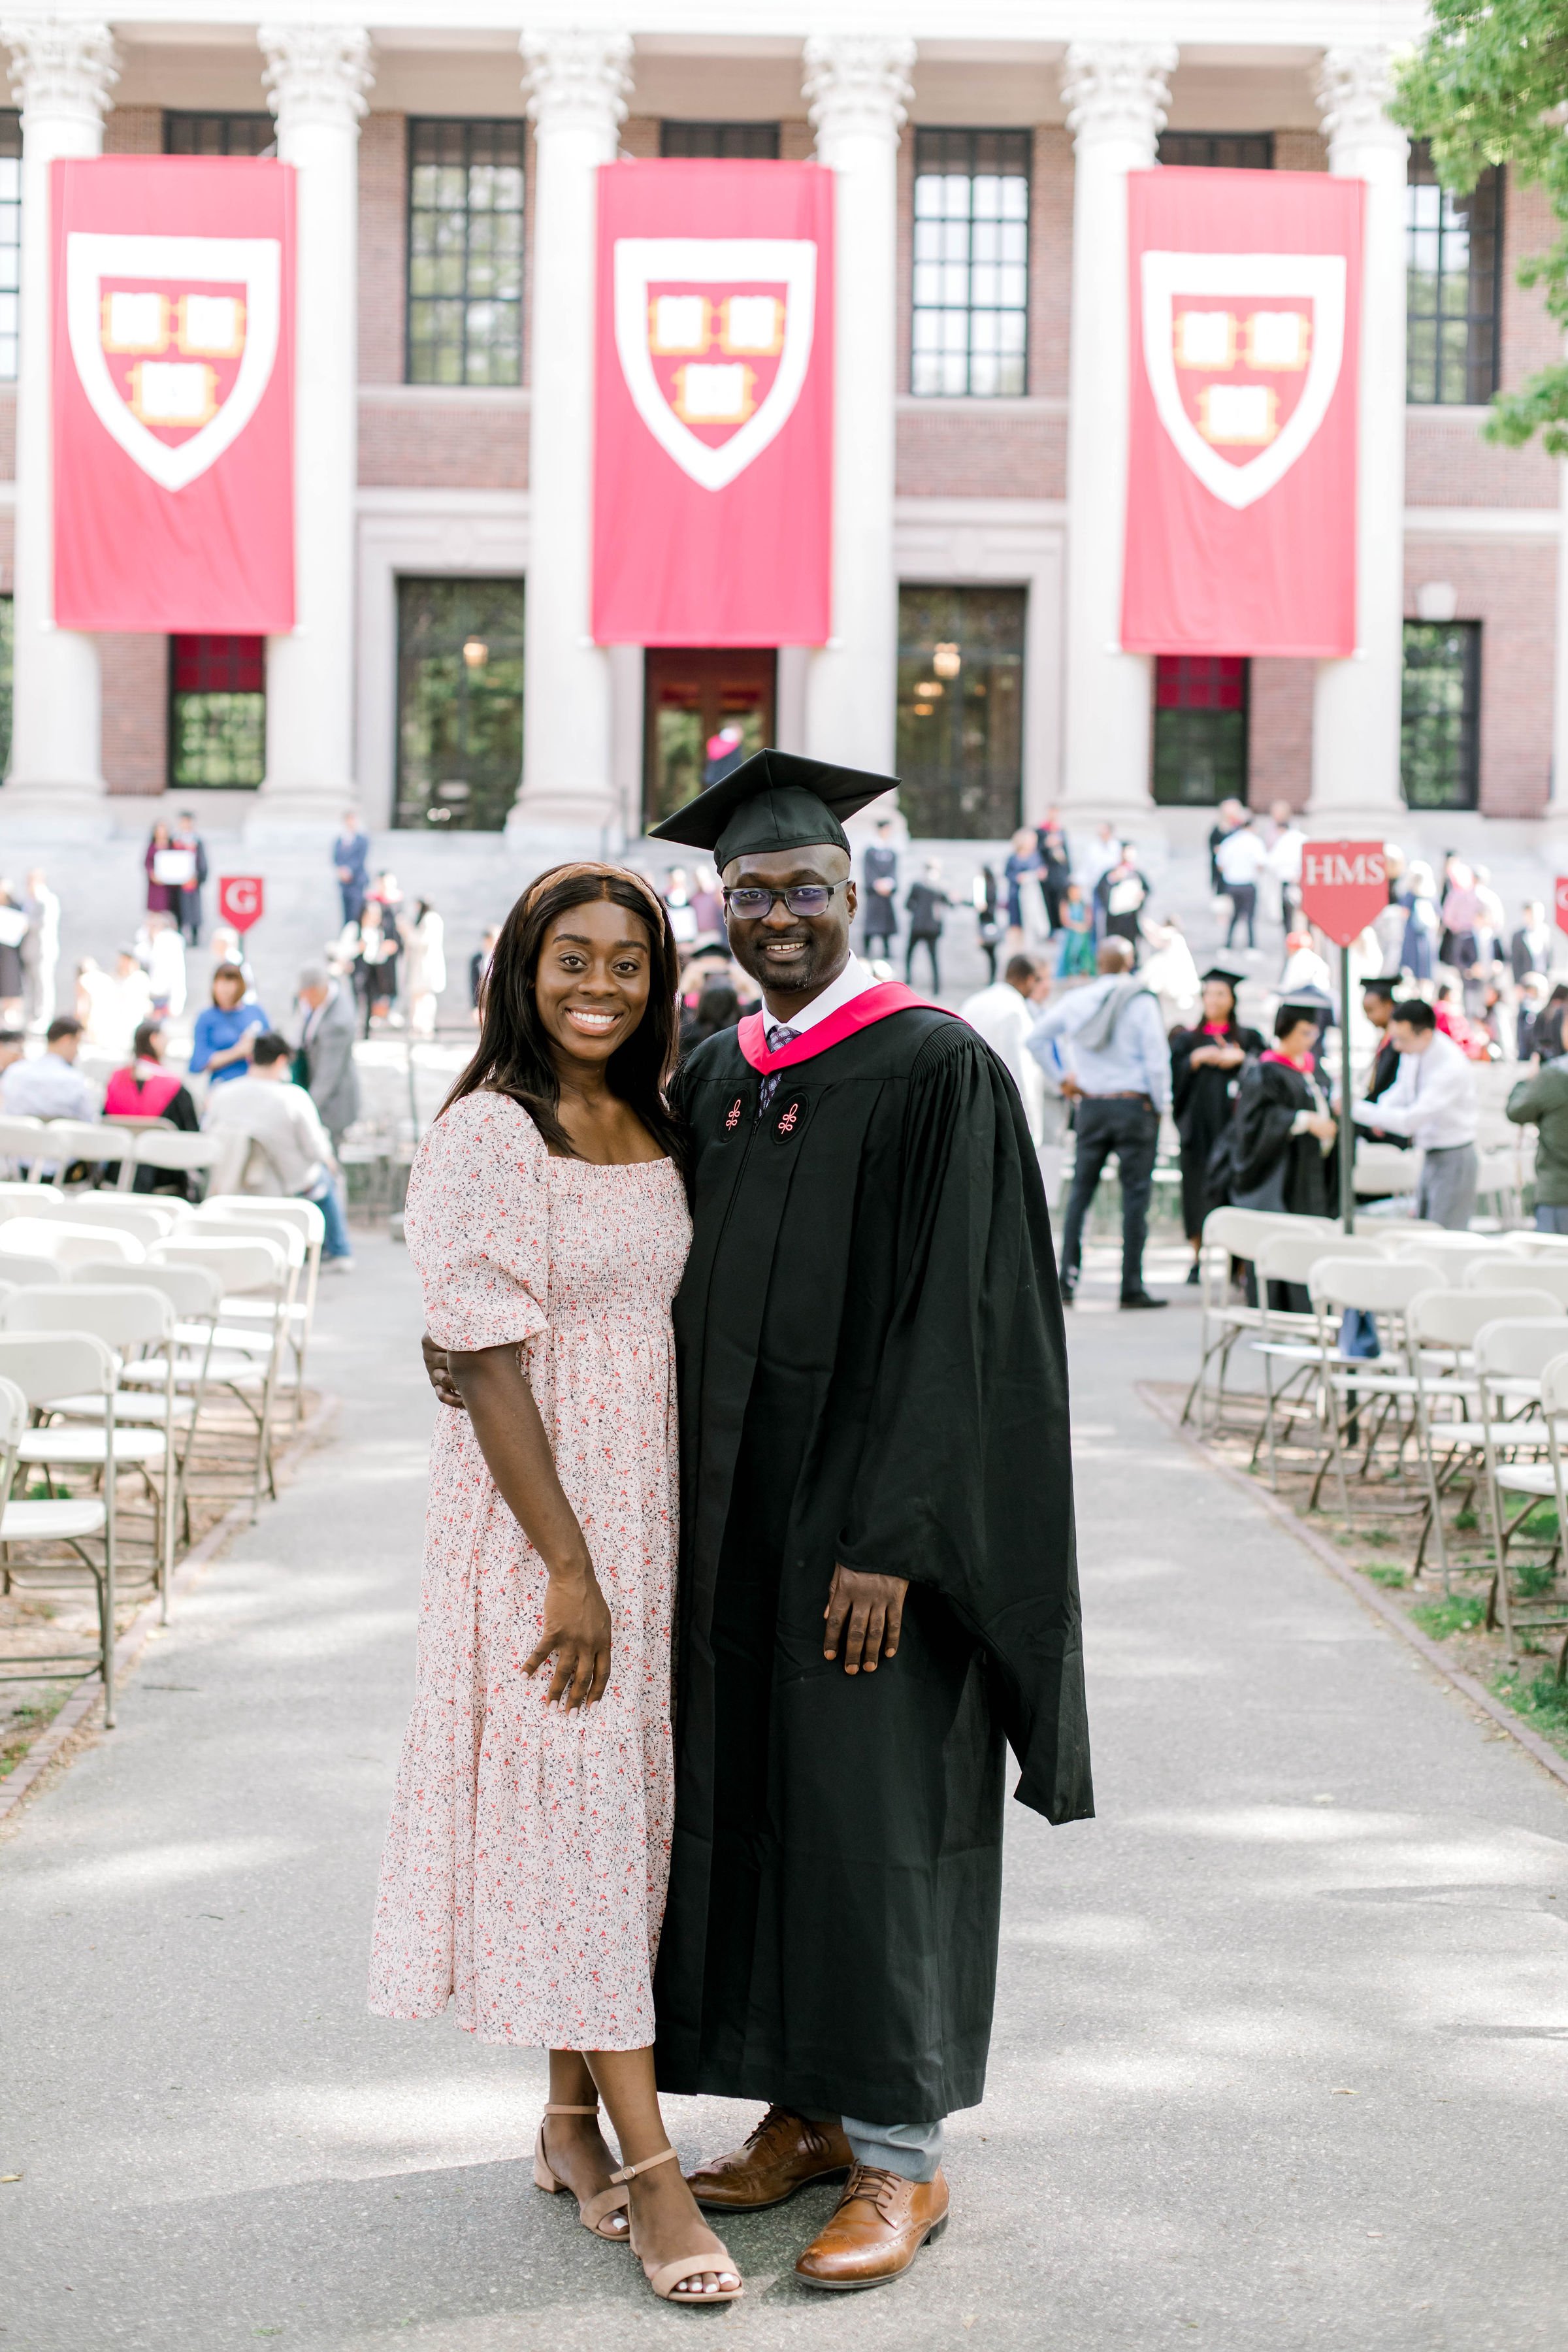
{"points": [[1489, 85]]}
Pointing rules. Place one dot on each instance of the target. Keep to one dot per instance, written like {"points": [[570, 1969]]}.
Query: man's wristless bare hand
{"points": [[866, 1615]]}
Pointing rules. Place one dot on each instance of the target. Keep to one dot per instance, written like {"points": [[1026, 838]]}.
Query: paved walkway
{"points": [[1280, 2052]]}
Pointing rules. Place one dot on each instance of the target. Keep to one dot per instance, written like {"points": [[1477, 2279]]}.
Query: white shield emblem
{"points": [[174, 340], [714, 335], [1243, 351]]}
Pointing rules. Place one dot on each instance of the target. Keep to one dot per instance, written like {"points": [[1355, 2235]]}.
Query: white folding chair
{"points": [[1453, 1422], [1519, 1273], [1456, 1253], [172, 1148], [1222, 1320], [196, 1297], [1512, 1358], [40, 1367], [61, 1239], [68, 1143], [19, 1146], [126, 1317], [144, 1220], [266, 1214], [1287, 1340], [1374, 1386], [247, 1369], [23, 1272]]}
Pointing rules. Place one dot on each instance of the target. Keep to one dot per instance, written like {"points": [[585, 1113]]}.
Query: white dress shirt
{"points": [[853, 981], [1241, 856], [1006, 1022], [1433, 1099]]}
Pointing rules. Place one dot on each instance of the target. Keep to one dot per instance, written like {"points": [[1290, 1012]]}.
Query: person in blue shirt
{"points": [[350, 861], [1113, 1041], [225, 1028]]}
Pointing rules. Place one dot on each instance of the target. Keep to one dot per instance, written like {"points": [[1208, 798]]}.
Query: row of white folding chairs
{"points": [[59, 1144], [1430, 1365]]}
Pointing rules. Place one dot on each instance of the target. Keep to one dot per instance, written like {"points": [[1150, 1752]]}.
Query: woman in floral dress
{"points": [[525, 1866]]}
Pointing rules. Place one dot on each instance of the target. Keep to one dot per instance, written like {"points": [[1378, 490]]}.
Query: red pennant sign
{"points": [[174, 394], [1559, 900], [713, 413], [241, 899], [1241, 489], [1344, 886]]}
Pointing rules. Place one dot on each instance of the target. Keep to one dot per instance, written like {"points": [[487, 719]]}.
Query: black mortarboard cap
{"points": [[1308, 997], [772, 801], [1225, 972]]}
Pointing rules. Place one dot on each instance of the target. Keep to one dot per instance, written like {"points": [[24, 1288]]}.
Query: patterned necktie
{"points": [[777, 1039]]}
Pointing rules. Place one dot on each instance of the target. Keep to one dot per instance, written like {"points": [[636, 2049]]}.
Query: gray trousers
{"points": [[1446, 1194], [911, 2150]]}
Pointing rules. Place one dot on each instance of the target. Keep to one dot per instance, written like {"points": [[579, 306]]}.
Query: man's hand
{"points": [[867, 1612], [439, 1373]]}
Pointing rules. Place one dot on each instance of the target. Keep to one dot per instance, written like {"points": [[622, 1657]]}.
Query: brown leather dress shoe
{"points": [[881, 2223], [784, 2153]]}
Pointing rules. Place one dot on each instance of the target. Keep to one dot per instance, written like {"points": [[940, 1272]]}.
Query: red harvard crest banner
{"points": [[1344, 886], [713, 441], [174, 394], [1241, 486]]}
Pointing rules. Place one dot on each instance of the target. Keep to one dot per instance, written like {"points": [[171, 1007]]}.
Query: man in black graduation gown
{"points": [[878, 1578]]}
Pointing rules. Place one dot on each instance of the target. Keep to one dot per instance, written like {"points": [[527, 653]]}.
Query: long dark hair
{"points": [[514, 1057]]}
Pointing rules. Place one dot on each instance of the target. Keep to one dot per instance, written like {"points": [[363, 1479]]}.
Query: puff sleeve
{"points": [[478, 1225]]}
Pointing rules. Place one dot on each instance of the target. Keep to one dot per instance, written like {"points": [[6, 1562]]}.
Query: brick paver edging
{"points": [[1545, 1755], [88, 1693]]}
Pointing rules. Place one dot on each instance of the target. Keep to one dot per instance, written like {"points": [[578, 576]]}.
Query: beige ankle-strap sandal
{"points": [[665, 2277], [599, 2209]]}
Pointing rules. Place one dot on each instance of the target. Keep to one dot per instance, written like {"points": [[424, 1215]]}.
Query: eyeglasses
{"points": [[801, 898]]}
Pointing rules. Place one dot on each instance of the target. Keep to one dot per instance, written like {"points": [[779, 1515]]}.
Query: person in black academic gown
{"points": [[1205, 1065], [878, 1588]]}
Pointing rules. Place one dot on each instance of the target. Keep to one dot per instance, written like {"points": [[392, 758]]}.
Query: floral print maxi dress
{"points": [[525, 1866]]}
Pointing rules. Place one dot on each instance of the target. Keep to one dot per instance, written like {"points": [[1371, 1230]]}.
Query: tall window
{"points": [[757, 140], [459, 702], [960, 710], [464, 253], [10, 248], [219, 134], [1200, 729], [971, 262], [1453, 247], [7, 643], [1219, 150], [217, 713], [1440, 736]]}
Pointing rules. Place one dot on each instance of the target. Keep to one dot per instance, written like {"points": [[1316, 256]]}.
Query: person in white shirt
{"points": [[280, 1143], [1284, 863], [49, 1086], [1433, 1101], [40, 948], [1241, 859], [1004, 1016]]}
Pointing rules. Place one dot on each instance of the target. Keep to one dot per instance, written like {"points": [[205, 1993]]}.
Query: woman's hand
{"points": [[577, 1635], [1323, 1127], [439, 1373]]}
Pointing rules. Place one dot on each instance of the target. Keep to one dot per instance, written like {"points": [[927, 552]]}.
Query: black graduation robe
{"points": [[1202, 1101], [1263, 1147], [872, 1371]]}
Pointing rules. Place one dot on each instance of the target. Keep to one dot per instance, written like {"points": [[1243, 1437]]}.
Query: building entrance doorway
{"points": [[691, 697]]}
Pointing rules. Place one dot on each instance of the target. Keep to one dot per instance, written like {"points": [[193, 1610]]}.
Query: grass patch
{"points": [[1460, 1613], [1533, 1577], [1542, 1701], [1466, 1521], [1541, 1524], [1384, 1572], [1378, 1535], [24, 1727]]}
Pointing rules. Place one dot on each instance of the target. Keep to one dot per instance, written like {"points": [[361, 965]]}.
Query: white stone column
{"points": [[1355, 708], [62, 76], [1116, 98], [857, 90], [576, 84], [316, 77]]}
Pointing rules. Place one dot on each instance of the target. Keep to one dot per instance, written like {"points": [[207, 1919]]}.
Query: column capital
{"points": [[60, 69], [577, 82], [1117, 89], [316, 73], [1355, 86], [858, 81]]}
